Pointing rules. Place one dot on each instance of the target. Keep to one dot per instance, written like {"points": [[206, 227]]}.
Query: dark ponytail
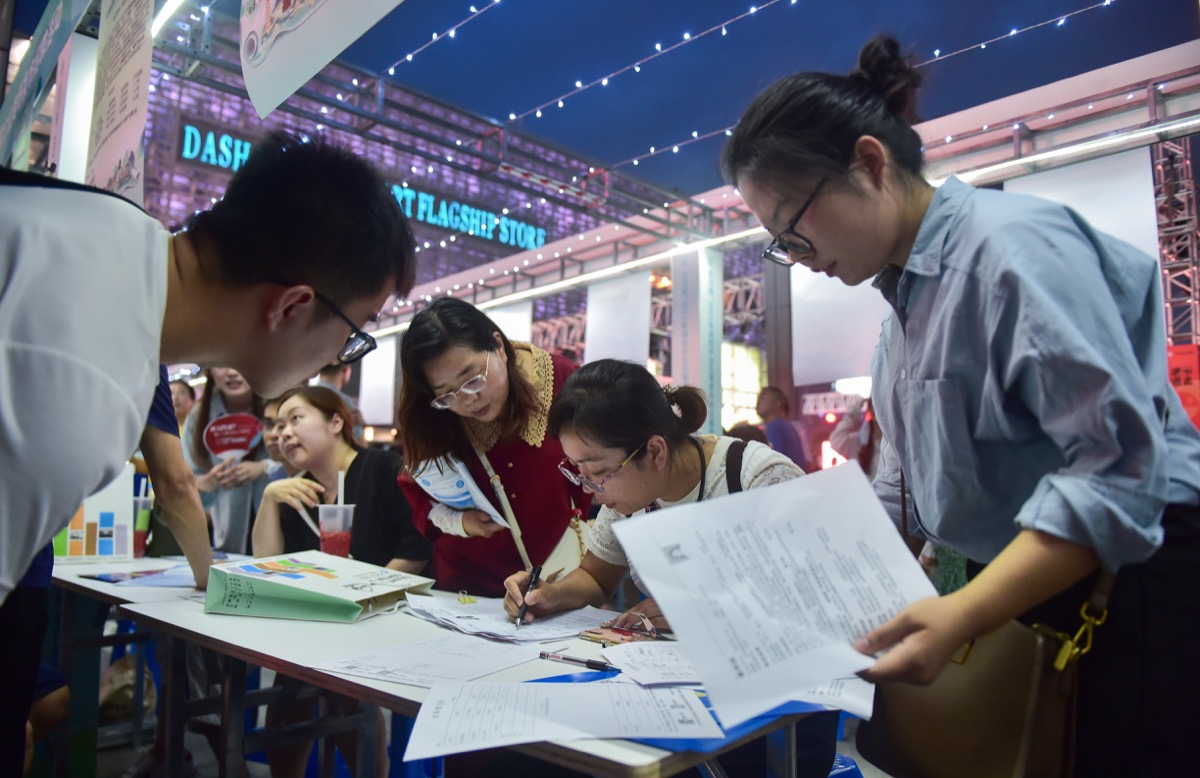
{"points": [[808, 123], [616, 404]]}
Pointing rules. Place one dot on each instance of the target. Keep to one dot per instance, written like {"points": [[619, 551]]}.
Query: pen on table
{"points": [[591, 664], [533, 581]]}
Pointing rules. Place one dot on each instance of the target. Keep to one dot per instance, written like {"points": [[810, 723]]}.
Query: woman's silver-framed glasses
{"points": [[789, 243], [595, 487], [471, 386]]}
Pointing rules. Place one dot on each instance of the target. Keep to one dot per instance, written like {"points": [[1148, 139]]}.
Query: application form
{"points": [[768, 588]]}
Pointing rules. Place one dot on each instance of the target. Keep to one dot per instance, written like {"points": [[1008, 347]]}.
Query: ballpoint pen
{"points": [[533, 581], [591, 664]]}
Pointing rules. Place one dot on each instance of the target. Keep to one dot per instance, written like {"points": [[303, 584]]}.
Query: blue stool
{"points": [[845, 767], [422, 768]]}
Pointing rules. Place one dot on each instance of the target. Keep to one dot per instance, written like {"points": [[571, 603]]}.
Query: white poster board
{"points": [[515, 321], [73, 109], [834, 327], [618, 319], [1114, 193], [121, 102], [377, 384], [284, 44]]}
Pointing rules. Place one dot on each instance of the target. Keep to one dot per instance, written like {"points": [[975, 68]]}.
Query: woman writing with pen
{"points": [[632, 444]]}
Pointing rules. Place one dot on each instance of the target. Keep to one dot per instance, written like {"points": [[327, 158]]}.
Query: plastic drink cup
{"points": [[141, 524], [336, 522]]}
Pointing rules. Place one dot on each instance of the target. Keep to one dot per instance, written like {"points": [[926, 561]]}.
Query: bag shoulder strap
{"points": [[733, 466], [502, 496]]}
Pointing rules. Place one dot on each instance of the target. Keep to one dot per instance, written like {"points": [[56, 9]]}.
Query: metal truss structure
{"points": [[1178, 238]]}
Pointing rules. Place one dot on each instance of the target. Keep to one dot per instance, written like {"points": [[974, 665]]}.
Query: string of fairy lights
{"points": [[660, 49]]}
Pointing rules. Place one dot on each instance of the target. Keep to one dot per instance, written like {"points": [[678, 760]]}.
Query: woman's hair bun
{"points": [[890, 75]]}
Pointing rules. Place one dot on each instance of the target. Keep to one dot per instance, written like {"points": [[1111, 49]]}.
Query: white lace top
{"points": [[762, 466]]}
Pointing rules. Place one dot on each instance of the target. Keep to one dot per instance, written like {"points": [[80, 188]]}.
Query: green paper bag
{"points": [[308, 585]]}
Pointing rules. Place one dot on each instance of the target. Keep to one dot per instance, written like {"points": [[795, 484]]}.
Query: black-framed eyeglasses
{"points": [[471, 386], [359, 344], [789, 243], [595, 487]]}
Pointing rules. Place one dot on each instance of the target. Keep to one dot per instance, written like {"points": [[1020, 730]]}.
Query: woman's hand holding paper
{"points": [[478, 524]]}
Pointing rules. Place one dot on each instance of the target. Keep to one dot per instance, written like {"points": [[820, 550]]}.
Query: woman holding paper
{"points": [[1022, 391], [473, 410], [633, 444], [316, 437], [230, 488]]}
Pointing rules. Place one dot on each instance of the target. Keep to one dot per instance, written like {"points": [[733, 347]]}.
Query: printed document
{"points": [[485, 617], [768, 588], [449, 657], [472, 716], [657, 663]]}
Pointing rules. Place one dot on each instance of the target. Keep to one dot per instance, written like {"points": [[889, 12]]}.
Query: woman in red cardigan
{"points": [[469, 390]]}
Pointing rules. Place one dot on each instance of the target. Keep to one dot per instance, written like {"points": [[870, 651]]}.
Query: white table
{"points": [[85, 602], [292, 647]]}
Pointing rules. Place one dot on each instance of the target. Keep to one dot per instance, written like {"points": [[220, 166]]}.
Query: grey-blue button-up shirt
{"points": [[1021, 382]]}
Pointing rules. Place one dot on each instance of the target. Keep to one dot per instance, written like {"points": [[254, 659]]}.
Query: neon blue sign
{"points": [[212, 147], [460, 217]]}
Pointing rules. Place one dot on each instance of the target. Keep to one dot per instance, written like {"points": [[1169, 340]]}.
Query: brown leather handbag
{"points": [[1003, 708]]}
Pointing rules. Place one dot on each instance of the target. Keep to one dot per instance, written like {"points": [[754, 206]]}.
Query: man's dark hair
{"points": [[305, 211]]}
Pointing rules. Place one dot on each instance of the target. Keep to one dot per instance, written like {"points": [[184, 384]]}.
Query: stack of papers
{"points": [[471, 716], [661, 663], [450, 657], [485, 618]]}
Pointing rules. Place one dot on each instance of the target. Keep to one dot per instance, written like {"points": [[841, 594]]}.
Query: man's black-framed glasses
{"points": [[789, 246], [359, 344]]}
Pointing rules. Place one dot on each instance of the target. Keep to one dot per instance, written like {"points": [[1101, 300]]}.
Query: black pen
{"points": [[591, 664], [533, 581]]}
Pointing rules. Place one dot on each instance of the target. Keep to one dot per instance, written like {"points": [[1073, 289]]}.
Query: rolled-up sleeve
{"points": [[1072, 365]]}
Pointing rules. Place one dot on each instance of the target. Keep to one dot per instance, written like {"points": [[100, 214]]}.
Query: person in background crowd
{"points": [[230, 489], [183, 397], [336, 376], [746, 431], [784, 435], [315, 437], [272, 427], [633, 444], [468, 389], [857, 436], [1022, 390]]}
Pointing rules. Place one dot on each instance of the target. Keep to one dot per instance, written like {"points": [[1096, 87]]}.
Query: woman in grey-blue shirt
{"points": [[1021, 387]]}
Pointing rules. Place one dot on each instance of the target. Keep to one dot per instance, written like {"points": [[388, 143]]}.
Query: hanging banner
{"points": [[1183, 367], [117, 146], [33, 77], [284, 43]]}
